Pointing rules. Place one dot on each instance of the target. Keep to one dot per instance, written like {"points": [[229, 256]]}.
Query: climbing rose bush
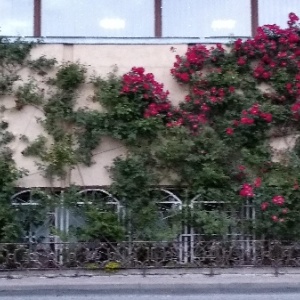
{"points": [[142, 85], [216, 142], [249, 93]]}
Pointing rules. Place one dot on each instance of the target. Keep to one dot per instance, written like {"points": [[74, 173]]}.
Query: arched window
{"points": [[97, 215], [168, 204], [35, 215], [169, 207]]}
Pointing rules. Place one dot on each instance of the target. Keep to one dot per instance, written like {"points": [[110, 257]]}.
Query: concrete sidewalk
{"points": [[224, 283]]}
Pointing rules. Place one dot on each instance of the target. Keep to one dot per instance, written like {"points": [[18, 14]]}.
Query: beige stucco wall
{"points": [[100, 59]]}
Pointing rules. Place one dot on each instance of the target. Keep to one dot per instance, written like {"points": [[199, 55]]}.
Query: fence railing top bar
{"points": [[25, 204], [157, 242], [90, 202], [169, 202], [208, 202]]}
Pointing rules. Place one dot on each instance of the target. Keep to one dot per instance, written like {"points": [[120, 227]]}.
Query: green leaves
{"points": [[37, 147], [14, 52], [100, 226], [70, 76], [42, 64], [9, 225], [107, 91], [134, 183], [211, 223], [28, 94]]}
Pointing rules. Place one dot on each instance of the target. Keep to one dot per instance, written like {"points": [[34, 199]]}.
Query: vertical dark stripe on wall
{"points": [[37, 18], [158, 18], [254, 16]]}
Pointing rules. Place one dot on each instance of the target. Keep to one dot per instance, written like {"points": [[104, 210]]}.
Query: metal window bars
{"points": [[190, 236], [36, 226]]}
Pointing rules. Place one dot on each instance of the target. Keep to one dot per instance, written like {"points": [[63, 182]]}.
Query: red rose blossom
{"points": [[293, 18], [242, 168], [231, 89], [247, 121], [229, 131], [254, 110], [264, 206], [257, 182], [267, 117], [278, 200], [246, 190], [241, 61]]}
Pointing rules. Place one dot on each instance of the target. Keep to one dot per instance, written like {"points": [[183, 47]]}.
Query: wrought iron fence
{"points": [[127, 255]]}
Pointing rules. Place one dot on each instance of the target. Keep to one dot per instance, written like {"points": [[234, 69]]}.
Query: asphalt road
{"points": [[64, 295]]}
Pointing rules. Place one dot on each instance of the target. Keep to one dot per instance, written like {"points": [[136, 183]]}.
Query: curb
{"points": [[73, 273]]}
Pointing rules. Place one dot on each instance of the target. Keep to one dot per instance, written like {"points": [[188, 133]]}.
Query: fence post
{"points": [[211, 269], [276, 270]]}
